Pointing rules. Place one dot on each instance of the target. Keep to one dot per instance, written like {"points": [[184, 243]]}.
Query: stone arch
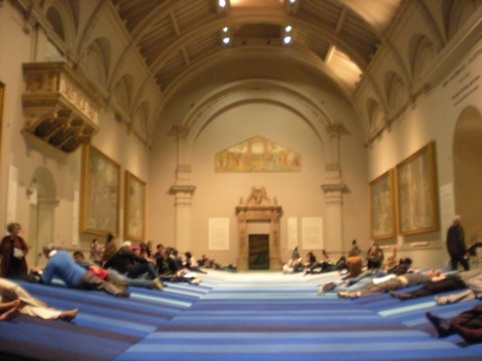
{"points": [[260, 91], [141, 119], [421, 52], [375, 115], [457, 13], [467, 157], [123, 92], [62, 17], [98, 60], [42, 212], [394, 91]]}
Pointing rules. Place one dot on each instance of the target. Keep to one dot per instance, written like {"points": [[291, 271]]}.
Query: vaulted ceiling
{"points": [[375, 54], [175, 35]]}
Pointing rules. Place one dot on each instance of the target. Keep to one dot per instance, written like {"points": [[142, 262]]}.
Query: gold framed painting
{"points": [[382, 206], [135, 208], [417, 192], [100, 193]]}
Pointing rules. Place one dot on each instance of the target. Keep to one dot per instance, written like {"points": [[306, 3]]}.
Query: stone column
{"points": [[182, 204], [274, 249], [182, 190], [242, 261], [334, 189], [333, 223]]}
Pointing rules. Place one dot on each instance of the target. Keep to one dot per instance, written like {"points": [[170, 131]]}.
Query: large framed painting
{"points": [[135, 208], [100, 193], [417, 192], [382, 206]]}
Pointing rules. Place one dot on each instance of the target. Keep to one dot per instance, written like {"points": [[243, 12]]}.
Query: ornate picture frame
{"points": [[134, 208], [100, 193], [382, 206], [417, 192]]}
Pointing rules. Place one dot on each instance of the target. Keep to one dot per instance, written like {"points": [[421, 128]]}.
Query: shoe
{"points": [[469, 335], [442, 326], [400, 295], [326, 287], [157, 284], [123, 294], [68, 315]]}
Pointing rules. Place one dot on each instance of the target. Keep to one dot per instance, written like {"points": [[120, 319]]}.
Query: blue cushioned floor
{"points": [[234, 316]]}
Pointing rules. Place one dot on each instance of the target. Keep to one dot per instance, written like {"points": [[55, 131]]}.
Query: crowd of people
{"points": [[113, 270], [108, 268]]}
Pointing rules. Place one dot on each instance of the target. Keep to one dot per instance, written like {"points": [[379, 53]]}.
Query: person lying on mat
{"points": [[407, 280], [111, 274], [126, 262], [353, 282], [467, 324], [61, 265], [469, 280], [16, 299]]}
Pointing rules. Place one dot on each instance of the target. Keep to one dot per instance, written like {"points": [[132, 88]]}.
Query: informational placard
{"points": [[292, 233], [218, 234], [312, 233]]}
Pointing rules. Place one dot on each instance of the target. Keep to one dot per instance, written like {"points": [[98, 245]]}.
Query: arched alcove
{"points": [[42, 195], [467, 150]]}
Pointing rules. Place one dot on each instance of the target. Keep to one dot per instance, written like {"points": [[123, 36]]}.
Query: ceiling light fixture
{"points": [[222, 6], [291, 6], [225, 36], [287, 34]]}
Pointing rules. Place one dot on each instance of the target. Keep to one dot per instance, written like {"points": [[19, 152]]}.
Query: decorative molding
{"points": [[58, 106], [328, 188], [259, 207], [182, 189]]}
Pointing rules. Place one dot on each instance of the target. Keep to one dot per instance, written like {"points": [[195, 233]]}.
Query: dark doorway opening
{"points": [[259, 251]]}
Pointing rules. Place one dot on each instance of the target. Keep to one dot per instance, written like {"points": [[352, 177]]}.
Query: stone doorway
{"points": [[259, 208], [258, 251]]}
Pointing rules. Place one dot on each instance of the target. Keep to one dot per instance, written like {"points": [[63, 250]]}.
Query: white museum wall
{"points": [[29, 155], [432, 117], [299, 194]]}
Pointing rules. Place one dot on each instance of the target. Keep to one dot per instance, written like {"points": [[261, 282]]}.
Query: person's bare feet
{"points": [[68, 315]]}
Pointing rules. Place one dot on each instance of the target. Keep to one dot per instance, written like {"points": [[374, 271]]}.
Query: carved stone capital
{"points": [[186, 189], [330, 188]]}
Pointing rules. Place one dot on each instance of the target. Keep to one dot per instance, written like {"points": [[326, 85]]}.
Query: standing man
{"points": [[456, 244]]}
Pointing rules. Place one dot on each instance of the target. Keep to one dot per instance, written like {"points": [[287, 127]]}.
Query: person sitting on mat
{"points": [[126, 262], [16, 299]]}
